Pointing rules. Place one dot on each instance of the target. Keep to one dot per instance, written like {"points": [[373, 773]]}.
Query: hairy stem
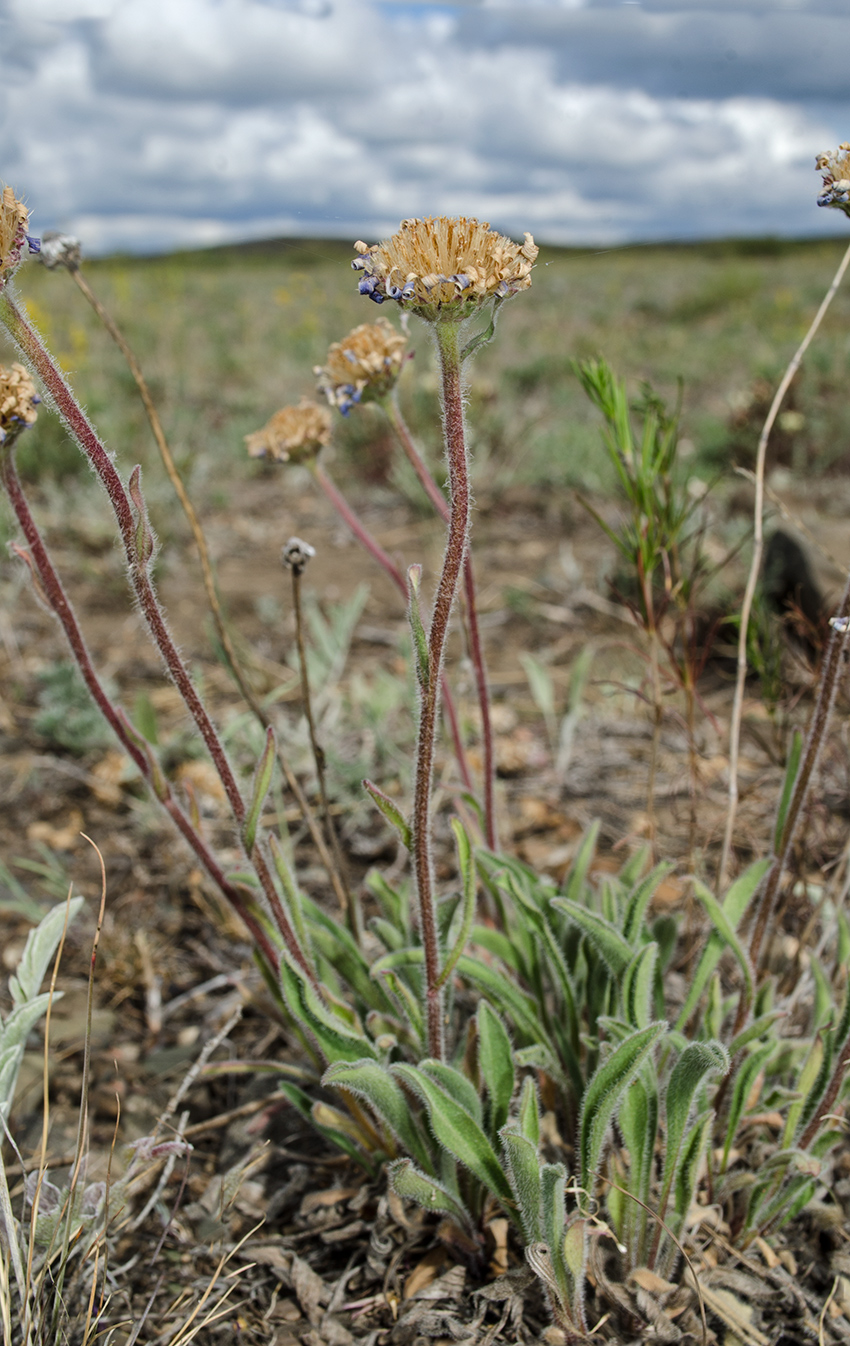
{"points": [[207, 571], [476, 650], [447, 334], [54, 593], [755, 567], [388, 565], [82, 431]]}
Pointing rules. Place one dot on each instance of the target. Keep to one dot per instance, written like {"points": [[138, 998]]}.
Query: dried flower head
{"points": [[836, 178], [13, 233], [445, 269], [293, 435], [297, 554], [60, 250], [18, 402], [364, 367]]}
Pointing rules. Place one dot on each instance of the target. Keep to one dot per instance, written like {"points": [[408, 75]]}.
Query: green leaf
{"points": [[293, 899], [344, 954], [409, 1183], [745, 1077], [304, 1105], [640, 899], [698, 1060], [604, 1091], [553, 1184], [725, 929], [390, 810], [637, 1119], [414, 617], [615, 951], [373, 1082], [466, 865], [337, 1041], [261, 787], [688, 1171], [582, 863], [523, 1167], [41, 945], [791, 770], [757, 1029], [506, 996], [458, 1132], [638, 985], [461, 1089], [495, 1059], [735, 904], [529, 1111]]}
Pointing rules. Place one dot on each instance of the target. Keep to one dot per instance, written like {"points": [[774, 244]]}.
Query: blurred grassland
{"points": [[227, 336]]}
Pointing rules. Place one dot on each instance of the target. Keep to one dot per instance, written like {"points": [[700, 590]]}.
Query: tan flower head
{"points": [[13, 232], [445, 269], [363, 367], [293, 435], [18, 402], [835, 167]]}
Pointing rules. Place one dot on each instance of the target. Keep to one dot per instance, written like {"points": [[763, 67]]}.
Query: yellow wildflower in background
{"points": [[445, 269], [363, 367], [13, 232], [835, 167], [18, 402], [293, 435]]}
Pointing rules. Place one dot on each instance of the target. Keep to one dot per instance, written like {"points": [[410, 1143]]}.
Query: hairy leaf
{"points": [[604, 1091]]}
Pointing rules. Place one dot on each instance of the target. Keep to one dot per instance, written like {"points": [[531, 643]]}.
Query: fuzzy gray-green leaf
{"points": [[497, 1067], [529, 1111], [603, 935], [373, 1082], [41, 945], [604, 1091], [638, 985], [408, 1182], [523, 1167]]}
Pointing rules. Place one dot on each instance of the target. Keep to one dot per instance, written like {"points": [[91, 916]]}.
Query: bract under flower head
{"points": [[445, 269], [363, 367], [835, 167], [13, 232], [293, 435], [18, 402]]}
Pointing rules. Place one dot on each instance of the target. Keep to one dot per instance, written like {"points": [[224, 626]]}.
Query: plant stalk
{"points": [[388, 565], [448, 346], [438, 500]]}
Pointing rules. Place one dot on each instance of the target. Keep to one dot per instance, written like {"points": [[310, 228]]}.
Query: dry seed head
{"points": [[60, 250], [835, 166], [293, 435], [445, 269], [297, 554], [363, 367], [18, 402], [13, 232]]}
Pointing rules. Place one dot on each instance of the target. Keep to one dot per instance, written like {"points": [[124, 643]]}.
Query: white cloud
{"points": [[147, 124]]}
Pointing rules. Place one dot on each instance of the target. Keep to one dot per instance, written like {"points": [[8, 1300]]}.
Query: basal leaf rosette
{"points": [[835, 166], [14, 217], [293, 435], [18, 402], [445, 269], [364, 366]]}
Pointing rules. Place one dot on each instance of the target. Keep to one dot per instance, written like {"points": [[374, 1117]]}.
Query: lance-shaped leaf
{"points": [[698, 1060], [690, 1163], [640, 899], [344, 954], [553, 1184], [390, 810], [604, 1091], [466, 865], [615, 951], [495, 1059], [304, 1105], [461, 1089], [414, 617], [582, 863], [338, 1040], [261, 787], [523, 1165], [373, 1082], [529, 1111], [791, 770], [459, 1133], [724, 927], [745, 1078], [637, 1119], [409, 1183], [735, 904], [638, 986], [41, 945]]}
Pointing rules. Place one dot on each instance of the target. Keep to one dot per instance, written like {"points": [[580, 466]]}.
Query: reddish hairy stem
{"points": [[456, 542], [388, 565], [55, 595], [86, 437], [476, 650]]}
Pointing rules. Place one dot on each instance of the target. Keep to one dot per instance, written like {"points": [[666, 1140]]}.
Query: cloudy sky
{"points": [[146, 124]]}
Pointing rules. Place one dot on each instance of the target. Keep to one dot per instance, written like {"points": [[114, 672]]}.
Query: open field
{"points": [[225, 338]]}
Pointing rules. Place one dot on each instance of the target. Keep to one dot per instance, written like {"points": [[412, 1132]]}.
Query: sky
{"points": [[145, 125]]}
